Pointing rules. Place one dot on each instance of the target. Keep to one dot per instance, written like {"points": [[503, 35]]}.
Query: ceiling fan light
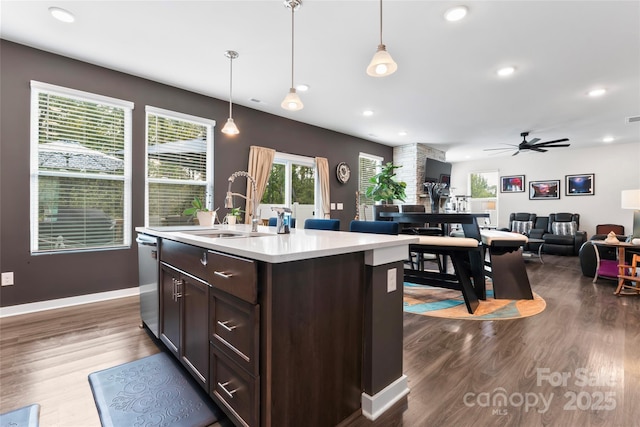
{"points": [[382, 63], [230, 127], [292, 101]]}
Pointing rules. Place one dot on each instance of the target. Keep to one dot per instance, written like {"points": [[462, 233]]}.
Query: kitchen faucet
{"points": [[228, 200]]}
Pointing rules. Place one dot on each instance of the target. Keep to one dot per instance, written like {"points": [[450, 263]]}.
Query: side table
{"points": [[533, 253], [621, 247]]}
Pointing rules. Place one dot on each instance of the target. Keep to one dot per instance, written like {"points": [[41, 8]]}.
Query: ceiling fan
{"points": [[533, 144]]}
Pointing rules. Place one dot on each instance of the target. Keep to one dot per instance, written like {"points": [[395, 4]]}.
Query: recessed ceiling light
{"points": [[367, 113], [456, 13], [302, 87], [607, 139], [403, 133], [597, 92], [61, 14], [506, 71]]}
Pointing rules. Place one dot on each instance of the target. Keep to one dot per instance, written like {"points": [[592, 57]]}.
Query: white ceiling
{"points": [[445, 93]]}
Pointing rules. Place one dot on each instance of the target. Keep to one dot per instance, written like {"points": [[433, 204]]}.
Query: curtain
{"points": [[260, 161], [322, 164]]}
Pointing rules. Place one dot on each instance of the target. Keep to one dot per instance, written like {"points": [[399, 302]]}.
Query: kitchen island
{"points": [[285, 329]]}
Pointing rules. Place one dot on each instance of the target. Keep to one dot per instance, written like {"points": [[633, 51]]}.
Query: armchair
{"points": [[563, 236]]}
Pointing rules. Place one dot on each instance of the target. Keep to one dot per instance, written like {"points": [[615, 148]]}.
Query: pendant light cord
{"points": [[292, 37], [230, 84], [380, 21]]}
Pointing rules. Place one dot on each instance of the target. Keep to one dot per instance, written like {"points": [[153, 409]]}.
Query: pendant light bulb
{"points": [[382, 64], [230, 127], [292, 101]]}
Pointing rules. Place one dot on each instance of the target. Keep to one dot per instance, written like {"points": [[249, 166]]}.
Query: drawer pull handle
{"points": [[223, 275], [204, 260], [224, 388], [224, 325]]}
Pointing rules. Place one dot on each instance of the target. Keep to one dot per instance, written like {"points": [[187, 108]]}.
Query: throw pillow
{"points": [[564, 228], [522, 227]]}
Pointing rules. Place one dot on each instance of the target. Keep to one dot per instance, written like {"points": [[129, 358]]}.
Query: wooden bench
{"points": [[459, 249], [506, 266]]}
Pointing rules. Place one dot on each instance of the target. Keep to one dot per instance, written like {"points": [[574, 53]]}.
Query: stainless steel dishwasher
{"points": [[148, 272]]}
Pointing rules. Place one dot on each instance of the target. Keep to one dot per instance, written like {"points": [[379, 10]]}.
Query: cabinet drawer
{"points": [[234, 328], [234, 388], [185, 257], [234, 275]]}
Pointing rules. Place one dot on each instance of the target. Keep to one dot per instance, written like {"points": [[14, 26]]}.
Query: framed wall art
{"points": [[544, 190], [579, 185], [512, 184]]}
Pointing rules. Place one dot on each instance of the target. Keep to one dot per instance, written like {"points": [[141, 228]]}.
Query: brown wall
{"points": [[44, 277]]}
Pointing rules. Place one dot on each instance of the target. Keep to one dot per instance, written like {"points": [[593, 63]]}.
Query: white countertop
{"points": [[270, 247]]}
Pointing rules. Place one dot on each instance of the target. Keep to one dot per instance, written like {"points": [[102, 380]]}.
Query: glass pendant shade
{"points": [[382, 63], [292, 101], [230, 127]]}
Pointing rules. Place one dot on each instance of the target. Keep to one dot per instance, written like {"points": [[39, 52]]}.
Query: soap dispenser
{"points": [[283, 219]]}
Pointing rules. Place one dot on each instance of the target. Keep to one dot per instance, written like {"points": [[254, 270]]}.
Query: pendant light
{"points": [[382, 64], [230, 127], [292, 101]]}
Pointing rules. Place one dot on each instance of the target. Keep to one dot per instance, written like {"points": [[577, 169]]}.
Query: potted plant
{"points": [[385, 188], [204, 215], [234, 216]]}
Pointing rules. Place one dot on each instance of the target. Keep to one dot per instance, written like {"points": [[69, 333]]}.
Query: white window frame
{"points": [[40, 87], [208, 183], [365, 214], [287, 160]]}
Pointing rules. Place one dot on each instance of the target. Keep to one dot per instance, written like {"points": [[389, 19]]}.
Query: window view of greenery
{"points": [[80, 177], [274, 193], [481, 188], [177, 168]]}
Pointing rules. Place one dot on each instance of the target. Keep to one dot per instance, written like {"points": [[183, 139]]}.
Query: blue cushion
{"points": [[322, 224], [376, 227]]}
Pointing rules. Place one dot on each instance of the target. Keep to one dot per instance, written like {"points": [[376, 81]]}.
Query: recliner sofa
{"points": [[563, 236]]}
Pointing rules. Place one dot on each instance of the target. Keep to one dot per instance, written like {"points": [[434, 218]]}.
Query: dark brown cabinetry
{"points": [[234, 334], [184, 308]]}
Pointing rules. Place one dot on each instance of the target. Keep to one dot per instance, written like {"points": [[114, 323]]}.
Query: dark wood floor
{"points": [[457, 370]]}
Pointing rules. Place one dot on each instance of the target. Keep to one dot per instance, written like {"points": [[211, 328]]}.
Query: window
{"points": [[179, 165], [368, 166], [80, 170], [292, 183], [484, 191]]}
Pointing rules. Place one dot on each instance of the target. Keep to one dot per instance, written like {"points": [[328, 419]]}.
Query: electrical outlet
{"points": [[340, 206], [391, 280], [7, 278]]}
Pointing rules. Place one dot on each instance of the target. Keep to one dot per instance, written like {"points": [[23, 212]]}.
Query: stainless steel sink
{"points": [[224, 234]]}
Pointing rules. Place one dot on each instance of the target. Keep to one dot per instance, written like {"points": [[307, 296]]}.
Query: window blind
{"points": [[80, 170], [179, 165]]}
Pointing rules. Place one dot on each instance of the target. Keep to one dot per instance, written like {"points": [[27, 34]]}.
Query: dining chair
{"points": [[375, 227], [322, 224]]}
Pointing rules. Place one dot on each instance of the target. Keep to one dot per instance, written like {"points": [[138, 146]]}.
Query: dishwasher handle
{"points": [[146, 242]]}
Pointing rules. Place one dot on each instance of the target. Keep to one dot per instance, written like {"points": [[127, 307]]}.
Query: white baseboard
{"points": [[14, 310], [374, 406]]}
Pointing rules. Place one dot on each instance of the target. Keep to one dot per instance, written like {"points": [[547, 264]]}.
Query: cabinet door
{"points": [[170, 308], [195, 328]]}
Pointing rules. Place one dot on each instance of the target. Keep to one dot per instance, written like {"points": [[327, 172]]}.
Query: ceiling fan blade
{"points": [[533, 141], [554, 141], [540, 150], [516, 153], [553, 146]]}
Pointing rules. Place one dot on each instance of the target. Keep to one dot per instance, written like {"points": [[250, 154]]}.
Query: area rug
{"points": [[22, 417], [152, 391], [447, 303]]}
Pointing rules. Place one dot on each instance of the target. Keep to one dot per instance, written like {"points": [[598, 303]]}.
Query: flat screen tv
{"points": [[437, 171]]}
